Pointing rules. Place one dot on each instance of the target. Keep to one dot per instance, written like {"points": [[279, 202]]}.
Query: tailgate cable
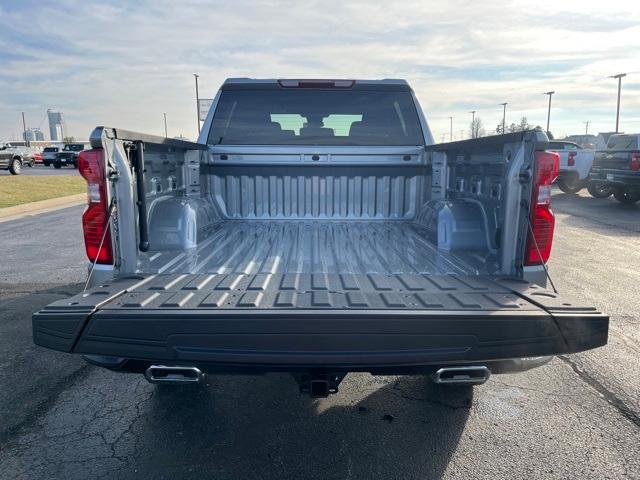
{"points": [[104, 234], [544, 266]]}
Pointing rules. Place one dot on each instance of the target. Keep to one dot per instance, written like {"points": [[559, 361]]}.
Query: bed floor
{"points": [[244, 246]]}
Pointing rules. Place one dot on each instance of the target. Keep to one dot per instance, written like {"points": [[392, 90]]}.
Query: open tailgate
{"points": [[321, 319]]}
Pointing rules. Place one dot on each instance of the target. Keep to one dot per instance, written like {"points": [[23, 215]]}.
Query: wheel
{"points": [[57, 165], [31, 164], [16, 166], [46, 164], [627, 196], [569, 187], [600, 189]]}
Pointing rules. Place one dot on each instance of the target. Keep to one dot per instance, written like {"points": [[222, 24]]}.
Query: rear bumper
{"points": [[511, 365], [571, 176], [66, 160], [625, 178]]}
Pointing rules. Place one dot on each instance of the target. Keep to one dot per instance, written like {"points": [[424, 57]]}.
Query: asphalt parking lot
{"points": [[577, 417]]}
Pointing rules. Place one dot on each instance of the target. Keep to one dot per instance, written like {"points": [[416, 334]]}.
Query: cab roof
{"points": [[284, 83]]}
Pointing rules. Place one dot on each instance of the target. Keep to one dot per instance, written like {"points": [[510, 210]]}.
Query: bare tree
{"points": [[476, 129], [520, 126]]}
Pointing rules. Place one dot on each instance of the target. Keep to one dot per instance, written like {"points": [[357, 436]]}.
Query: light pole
{"points": [[24, 131], [504, 115], [451, 129], [197, 102], [619, 77], [550, 93], [165, 125], [473, 123]]}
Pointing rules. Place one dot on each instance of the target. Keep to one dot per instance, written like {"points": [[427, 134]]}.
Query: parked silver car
{"points": [[49, 155]]}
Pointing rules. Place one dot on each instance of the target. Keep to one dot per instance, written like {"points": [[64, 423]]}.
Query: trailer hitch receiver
{"points": [[319, 385]]}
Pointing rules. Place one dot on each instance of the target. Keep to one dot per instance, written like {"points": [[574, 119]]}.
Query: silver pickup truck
{"points": [[316, 229]]}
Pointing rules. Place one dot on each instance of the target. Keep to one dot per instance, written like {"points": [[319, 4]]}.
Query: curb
{"points": [[42, 206]]}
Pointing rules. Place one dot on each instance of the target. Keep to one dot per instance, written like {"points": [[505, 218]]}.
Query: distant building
{"points": [[56, 125], [34, 134]]}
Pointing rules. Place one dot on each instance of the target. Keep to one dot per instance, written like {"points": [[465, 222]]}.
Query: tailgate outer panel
{"points": [[319, 320]]}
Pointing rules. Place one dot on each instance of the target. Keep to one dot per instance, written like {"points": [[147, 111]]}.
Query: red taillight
{"points": [[540, 237], [635, 161], [94, 220], [572, 159]]}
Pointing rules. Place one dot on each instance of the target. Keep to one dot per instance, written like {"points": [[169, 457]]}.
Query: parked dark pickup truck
{"points": [[69, 155], [617, 168], [316, 229]]}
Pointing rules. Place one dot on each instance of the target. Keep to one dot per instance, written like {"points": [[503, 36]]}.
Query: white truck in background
{"points": [[575, 165]]}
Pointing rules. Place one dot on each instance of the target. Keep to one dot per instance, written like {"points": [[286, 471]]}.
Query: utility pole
{"points": [[24, 130], [451, 129], [197, 102], [504, 115], [165, 125], [550, 93], [619, 77], [586, 129], [473, 123]]}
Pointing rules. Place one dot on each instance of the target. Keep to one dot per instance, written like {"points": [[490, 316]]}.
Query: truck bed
{"points": [[309, 259], [244, 246]]}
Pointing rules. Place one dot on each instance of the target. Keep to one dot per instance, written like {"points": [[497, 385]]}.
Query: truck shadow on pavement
{"points": [[248, 427]]}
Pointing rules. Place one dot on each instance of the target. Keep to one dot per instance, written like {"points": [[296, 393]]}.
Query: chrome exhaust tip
{"points": [[474, 375], [173, 374]]}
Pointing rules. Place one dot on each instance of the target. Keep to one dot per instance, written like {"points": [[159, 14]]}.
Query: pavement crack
{"points": [[609, 396], [44, 406]]}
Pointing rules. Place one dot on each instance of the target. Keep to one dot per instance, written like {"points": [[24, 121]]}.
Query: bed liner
{"points": [[326, 246]]}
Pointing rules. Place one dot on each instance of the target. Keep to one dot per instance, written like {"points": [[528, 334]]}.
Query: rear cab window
{"points": [[73, 148], [623, 142], [563, 146], [316, 116]]}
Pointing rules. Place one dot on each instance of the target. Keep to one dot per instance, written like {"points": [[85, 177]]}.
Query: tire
{"points": [[57, 165], [31, 164], [46, 164], [15, 167], [569, 187], [626, 196], [600, 189]]}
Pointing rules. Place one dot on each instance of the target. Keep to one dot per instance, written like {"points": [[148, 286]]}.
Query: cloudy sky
{"points": [[111, 63]]}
